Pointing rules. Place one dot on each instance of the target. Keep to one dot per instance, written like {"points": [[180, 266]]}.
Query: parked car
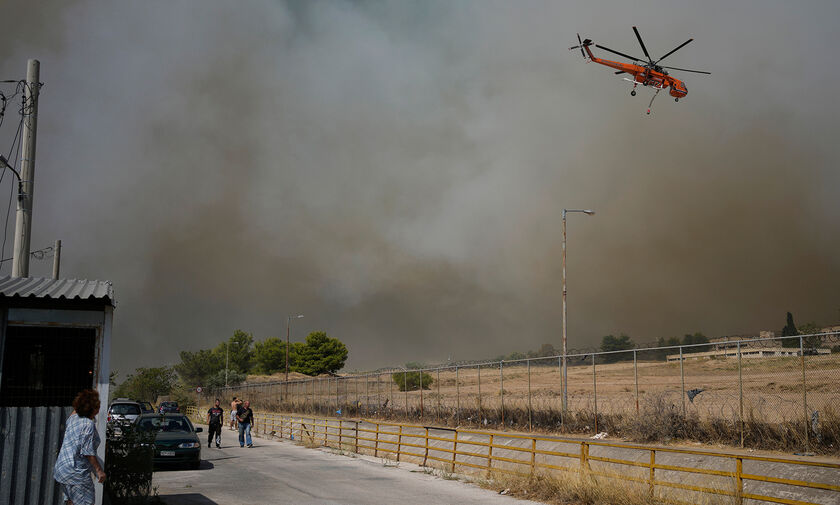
{"points": [[146, 407], [124, 409], [176, 441], [168, 408]]}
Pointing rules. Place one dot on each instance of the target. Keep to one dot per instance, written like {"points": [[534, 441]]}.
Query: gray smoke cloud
{"points": [[396, 171]]}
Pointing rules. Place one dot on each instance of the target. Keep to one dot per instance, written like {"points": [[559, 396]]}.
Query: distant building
{"points": [[747, 352], [55, 340]]}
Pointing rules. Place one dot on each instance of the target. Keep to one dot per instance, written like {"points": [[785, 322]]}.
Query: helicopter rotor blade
{"points": [[581, 46], [642, 43], [619, 72], [620, 54], [673, 51], [687, 70]]}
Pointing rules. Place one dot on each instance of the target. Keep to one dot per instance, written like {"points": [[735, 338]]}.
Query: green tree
{"points": [[196, 367], [270, 356], [790, 331], [696, 338], [217, 381], [147, 384], [620, 343], [410, 381], [515, 355], [240, 353], [812, 341], [320, 354]]}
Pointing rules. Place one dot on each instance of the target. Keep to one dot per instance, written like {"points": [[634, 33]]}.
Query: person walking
{"points": [[245, 416], [234, 406], [214, 421], [77, 457]]}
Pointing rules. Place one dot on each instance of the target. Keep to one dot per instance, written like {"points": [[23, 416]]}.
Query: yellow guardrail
{"points": [[371, 435]]}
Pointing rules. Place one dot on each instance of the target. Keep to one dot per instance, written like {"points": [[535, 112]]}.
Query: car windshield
{"points": [[125, 409], [146, 407], [169, 424]]}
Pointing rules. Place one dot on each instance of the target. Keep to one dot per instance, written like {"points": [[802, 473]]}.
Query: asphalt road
{"points": [[280, 472]]}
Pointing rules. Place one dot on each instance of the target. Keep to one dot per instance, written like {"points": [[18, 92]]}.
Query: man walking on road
{"points": [[234, 406], [245, 416], [214, 420]]}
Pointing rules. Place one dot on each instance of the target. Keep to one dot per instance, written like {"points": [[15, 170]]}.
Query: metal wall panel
{"points": [[30, 438]]}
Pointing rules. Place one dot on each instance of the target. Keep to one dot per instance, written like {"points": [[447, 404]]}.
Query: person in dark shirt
{"points": [[245, 416], [214, 420]]}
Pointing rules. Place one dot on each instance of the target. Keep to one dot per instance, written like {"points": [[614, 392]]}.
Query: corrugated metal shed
{"points": [[56, 289]]}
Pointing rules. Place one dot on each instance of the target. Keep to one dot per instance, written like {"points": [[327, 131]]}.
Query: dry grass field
{"points": [[653, 400]]}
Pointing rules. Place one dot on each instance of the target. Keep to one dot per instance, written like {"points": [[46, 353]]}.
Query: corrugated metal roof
{"points": [[56, 289]]}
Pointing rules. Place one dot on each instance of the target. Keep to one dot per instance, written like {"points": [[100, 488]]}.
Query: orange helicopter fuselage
{"points": [[645, 76]]}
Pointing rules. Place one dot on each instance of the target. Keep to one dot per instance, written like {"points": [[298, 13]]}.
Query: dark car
{"points": [[146, 407], [176, 441], [169, 407]]}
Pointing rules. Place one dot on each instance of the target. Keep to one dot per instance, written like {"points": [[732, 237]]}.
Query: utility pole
{"points": [[227, 344], [23, 218], [56, 259]]}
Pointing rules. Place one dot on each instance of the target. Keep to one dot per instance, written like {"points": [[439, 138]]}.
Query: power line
{"points": [[38, 255]]}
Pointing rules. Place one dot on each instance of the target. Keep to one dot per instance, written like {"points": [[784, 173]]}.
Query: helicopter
{"points": [[647, 72]]}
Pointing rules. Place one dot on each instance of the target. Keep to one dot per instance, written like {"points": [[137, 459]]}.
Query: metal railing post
{"points": [[480, 413], [437, 414], [804, 395], [490, 456], [530, 416], [739, 481], [426, 453], [421, 394], [502, 389], [636, 378], [454, 450], [376, 442], [740, 395], [652, 475], [367, 394], [356, 437], [405, 392], [562, 402], [457, 399], [682, 380], [399, 444]]}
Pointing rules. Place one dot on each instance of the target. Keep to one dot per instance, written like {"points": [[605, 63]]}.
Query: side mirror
{"points": [[199, 430]]}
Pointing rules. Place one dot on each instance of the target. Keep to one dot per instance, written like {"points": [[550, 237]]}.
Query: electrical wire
{"points": [[11, 186]]}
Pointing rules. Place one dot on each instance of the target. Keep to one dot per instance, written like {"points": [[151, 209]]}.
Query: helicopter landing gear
{"points": [[633, 93]]}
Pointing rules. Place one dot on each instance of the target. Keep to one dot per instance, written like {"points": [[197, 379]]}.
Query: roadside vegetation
{"points": [[230, 362]]}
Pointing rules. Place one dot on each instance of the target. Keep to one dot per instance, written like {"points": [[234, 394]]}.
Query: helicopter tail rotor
{"points": [[581, 45]]}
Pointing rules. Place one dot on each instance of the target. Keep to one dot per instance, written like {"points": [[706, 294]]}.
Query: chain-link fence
{"points": [[775, 393]]}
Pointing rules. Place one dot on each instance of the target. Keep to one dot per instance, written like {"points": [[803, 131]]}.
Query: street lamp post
{"points": [[288, 325], [565, 365]]}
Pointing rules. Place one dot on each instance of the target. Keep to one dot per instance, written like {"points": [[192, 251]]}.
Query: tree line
{"points": [[230, 362]]}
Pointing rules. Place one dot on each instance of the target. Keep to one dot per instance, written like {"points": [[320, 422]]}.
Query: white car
{"points": [[124, 409]]}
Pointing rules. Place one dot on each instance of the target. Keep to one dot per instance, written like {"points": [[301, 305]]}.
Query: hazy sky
{"points": [[396, 171]]}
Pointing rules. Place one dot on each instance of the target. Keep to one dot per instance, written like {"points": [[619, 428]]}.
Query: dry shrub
{"points": [[583, 489]]}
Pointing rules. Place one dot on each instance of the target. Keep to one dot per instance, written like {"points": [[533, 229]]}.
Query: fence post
{"points": [[391, 392], [421, 393], [376, 442], [682, 379], [457, 399], [562, 403], [437, 414], [454, 450], [740, 394], [399, 444], [804, 396], [490, 456], [426, 454], [367, 394], [739, 490], [356, 437], [378, 388], [530, 416], [636, 378], [652, 477], [595, 391], [405, 392], [480, 414], [533, 455], [502, 389]]}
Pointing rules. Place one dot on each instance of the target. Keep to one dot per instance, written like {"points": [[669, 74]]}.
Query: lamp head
{"points": [[589, 212]]}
